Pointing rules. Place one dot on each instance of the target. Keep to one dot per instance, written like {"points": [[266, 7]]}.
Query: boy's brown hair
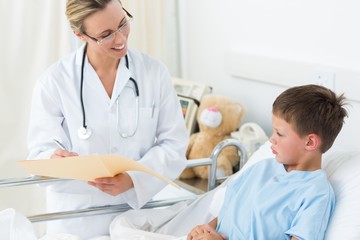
{"points": [[312, 109]]}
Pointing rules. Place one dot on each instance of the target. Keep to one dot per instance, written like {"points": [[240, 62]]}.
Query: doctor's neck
{"points": [[101, 61]]}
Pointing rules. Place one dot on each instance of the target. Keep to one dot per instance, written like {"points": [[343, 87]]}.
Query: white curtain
{"points": [[34, 35], [155, 30]]}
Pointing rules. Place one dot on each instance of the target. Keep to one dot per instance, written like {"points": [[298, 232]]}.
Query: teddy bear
{"points": [[217, 117]]}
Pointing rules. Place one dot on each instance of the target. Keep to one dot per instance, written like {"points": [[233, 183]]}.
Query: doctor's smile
{"points": [[119, 47]]}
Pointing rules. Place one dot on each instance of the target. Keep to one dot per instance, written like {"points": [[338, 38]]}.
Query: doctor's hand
{"points": [[60, 153], [114, 185]]}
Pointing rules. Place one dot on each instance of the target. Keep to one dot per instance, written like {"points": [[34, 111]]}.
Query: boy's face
{"points": [[286, 144]]}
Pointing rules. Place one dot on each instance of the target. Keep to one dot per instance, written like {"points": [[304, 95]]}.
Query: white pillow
{"points": [[343, 170]]}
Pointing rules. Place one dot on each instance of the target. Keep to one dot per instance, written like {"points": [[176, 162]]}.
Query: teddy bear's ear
{"points": [[240, 109]]}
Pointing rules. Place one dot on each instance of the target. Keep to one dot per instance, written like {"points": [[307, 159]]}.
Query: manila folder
{"points": [[87, 168]]}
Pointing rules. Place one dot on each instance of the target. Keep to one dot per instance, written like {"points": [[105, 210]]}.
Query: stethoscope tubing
{"points": [[84, 132], [81, 88]]}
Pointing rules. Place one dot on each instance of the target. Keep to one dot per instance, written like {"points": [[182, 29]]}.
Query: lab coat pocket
{"points": [[147, 121], [145, 134]]}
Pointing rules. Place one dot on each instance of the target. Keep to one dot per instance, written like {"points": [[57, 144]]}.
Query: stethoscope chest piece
{"points": [[84, 133], [124, 135]]}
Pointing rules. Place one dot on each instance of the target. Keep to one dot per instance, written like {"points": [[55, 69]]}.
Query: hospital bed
{"points": [[213, 181], [341, 165]]}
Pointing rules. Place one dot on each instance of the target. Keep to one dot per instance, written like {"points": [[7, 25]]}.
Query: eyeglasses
{"points": [[111, 36]]}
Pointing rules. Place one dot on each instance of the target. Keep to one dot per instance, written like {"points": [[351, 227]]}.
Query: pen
{"points": [[59, 144], [152, 108]]}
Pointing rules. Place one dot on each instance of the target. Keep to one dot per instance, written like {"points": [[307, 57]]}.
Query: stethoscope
{"points": [[84, 131]]}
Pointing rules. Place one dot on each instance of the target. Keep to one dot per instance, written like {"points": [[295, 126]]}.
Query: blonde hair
{"points": [[78, 10]]}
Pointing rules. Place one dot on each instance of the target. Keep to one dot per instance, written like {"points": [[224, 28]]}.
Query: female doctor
{"points": [[105, 99]]}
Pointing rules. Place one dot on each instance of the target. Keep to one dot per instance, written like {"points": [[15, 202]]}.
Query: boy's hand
{"points": [[205, 232]]}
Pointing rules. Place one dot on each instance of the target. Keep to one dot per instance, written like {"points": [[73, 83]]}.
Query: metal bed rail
{"points": [[105, 210], [14, 182], [212, 183]]}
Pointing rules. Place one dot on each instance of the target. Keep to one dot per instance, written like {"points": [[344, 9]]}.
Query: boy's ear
{"points": [[313, 142]]}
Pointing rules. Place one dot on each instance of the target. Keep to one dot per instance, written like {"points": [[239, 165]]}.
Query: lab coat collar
{"points": [[79, 55], [122, 77]]}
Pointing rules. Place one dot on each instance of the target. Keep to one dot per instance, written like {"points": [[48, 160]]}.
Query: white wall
{"points": [[315, 32]]}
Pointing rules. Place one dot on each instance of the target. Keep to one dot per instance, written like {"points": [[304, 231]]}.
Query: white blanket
{"points": [[15, 226], [127, 233]]}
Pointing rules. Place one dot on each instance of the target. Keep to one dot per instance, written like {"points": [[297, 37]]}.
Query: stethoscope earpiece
{"points": [[84, 133]]}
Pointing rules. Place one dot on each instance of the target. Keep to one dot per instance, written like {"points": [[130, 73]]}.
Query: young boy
{"points": [[288, 197]]}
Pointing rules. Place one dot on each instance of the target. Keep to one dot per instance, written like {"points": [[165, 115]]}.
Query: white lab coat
{"points": [[159, 142]]}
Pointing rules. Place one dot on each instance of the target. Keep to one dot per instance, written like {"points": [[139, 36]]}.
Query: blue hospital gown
{"points": [[266, 202]]}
